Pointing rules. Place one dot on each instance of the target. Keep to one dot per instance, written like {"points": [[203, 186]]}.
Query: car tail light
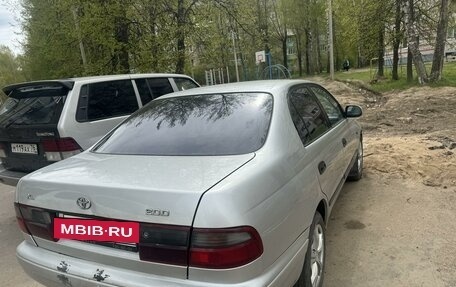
{"points": [[211, 248], [164, 243], [35, 221], [2, 150], [224, 248], [61, 148]]}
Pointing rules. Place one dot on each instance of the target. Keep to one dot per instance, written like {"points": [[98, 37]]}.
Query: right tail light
{"points": [[212, 248]]}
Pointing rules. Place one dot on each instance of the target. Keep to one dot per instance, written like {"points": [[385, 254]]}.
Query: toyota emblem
{"points": [[83, 203]]}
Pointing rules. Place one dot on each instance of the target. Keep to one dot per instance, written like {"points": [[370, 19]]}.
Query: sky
{"points": [[10, 32]]}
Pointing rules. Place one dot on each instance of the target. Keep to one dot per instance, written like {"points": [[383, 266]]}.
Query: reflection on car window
{"points": [[330, 105], [219, 124], [30, 106], [308, 114], [106, 99]]}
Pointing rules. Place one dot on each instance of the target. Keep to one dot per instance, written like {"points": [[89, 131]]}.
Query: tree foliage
{"points": [[67, 38], [10, 68]]}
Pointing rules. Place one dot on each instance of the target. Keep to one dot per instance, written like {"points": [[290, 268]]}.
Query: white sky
{"points": [[10, 31]]}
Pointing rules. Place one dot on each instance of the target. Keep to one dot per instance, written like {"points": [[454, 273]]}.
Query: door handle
{"points": [[344, 142], [321, 167]]}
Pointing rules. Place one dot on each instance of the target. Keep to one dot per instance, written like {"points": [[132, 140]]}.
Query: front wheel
{"points": [[314, 263]]}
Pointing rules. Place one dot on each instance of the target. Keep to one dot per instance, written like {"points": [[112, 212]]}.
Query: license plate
{"points": [[24, 148], [96, 230]]}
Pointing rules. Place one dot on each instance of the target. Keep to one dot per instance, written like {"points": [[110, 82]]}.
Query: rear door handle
{"points": [[321, 167], [344, 142]]}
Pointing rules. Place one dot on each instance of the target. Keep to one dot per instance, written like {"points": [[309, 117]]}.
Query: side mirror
{"points": [[353, 111]]}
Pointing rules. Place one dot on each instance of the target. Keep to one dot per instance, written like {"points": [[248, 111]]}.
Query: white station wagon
{"points": [[46, 121], [228, 185]]}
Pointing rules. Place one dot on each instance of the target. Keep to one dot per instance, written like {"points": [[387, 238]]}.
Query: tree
{"points": [[397, 38], [10, 69], [411, 31], [439, 50]]}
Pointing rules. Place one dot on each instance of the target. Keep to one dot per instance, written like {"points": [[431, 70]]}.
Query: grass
{"points": [[386, 85]]}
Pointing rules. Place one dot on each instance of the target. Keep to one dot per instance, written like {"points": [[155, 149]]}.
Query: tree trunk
{"points": [[180, 63], [299, 52], [381, 50], [396, 40], [409, 66], [308, 52], [319, 65], [284, 49], [121, 63], [413, 41], [439, 50]]}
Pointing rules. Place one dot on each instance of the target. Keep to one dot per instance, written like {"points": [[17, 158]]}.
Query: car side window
{"points": [[105, 100], [153, 88], [330, 105], [184, 84], [307, 115]]}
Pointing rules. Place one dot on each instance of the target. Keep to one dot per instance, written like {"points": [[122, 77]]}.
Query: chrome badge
{"points": [[84, 203]]}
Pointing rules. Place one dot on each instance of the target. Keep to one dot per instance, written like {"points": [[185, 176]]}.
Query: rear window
{"points": [[219, 124], [33, 105]]}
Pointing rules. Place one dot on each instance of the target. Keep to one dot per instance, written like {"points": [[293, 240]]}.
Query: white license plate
{"points": [[24, 148]]}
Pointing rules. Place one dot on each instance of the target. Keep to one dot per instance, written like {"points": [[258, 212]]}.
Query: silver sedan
{"points": [[228, 185]]}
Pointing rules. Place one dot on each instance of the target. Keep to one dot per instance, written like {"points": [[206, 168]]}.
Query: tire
{"points": [[356, 172], [313, 270]]}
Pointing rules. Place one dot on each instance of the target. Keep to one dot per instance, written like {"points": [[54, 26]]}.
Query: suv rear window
{"points": [[33, 105], [218, 124]]}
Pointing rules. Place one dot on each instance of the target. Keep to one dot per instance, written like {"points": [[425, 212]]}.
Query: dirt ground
{"points": [[397, 226]]}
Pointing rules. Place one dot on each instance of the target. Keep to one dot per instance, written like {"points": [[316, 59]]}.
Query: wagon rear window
{"points": [[33, 105], [218, 124]]}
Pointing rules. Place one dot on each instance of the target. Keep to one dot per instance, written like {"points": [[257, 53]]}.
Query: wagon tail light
{"points": [[61, 148], [35, 221], [210, 248]]}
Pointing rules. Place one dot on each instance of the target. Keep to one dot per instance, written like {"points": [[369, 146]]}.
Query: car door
{"points": [[341, 135], [320, 138]]}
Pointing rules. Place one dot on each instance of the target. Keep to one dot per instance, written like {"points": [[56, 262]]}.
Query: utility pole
{"points": [[235, 58], [331, 44]]}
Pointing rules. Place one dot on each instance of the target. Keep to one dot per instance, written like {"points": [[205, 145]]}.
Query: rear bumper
{"points": [[10, 177], [42, 265]]}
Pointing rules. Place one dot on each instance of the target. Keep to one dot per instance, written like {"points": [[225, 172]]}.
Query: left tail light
{"points": [[35, 221]]}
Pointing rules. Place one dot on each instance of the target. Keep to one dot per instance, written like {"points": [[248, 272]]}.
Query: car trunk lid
{"points": [[159, 192]]}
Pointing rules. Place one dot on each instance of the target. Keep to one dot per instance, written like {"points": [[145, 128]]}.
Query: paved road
{"points": [[10, 236]]}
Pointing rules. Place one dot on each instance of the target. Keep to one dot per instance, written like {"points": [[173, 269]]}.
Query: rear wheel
{"points": [[356, 173], [314, 263]]}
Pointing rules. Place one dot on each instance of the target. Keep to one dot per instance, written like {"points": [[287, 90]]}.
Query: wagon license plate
{"points": [[24, 148]]}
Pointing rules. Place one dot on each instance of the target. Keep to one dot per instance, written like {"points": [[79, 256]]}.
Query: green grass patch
{"points": [[367, 75]]}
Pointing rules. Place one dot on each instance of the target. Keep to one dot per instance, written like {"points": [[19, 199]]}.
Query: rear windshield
{"points": [[31, 105], [219, 124]]}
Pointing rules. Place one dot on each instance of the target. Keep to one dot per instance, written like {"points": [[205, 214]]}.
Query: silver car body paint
{"points": [[276, 190]]}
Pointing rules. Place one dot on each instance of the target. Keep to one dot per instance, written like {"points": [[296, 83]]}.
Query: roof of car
{"points": [[69, 82], [126, 76], [266, 86]]}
